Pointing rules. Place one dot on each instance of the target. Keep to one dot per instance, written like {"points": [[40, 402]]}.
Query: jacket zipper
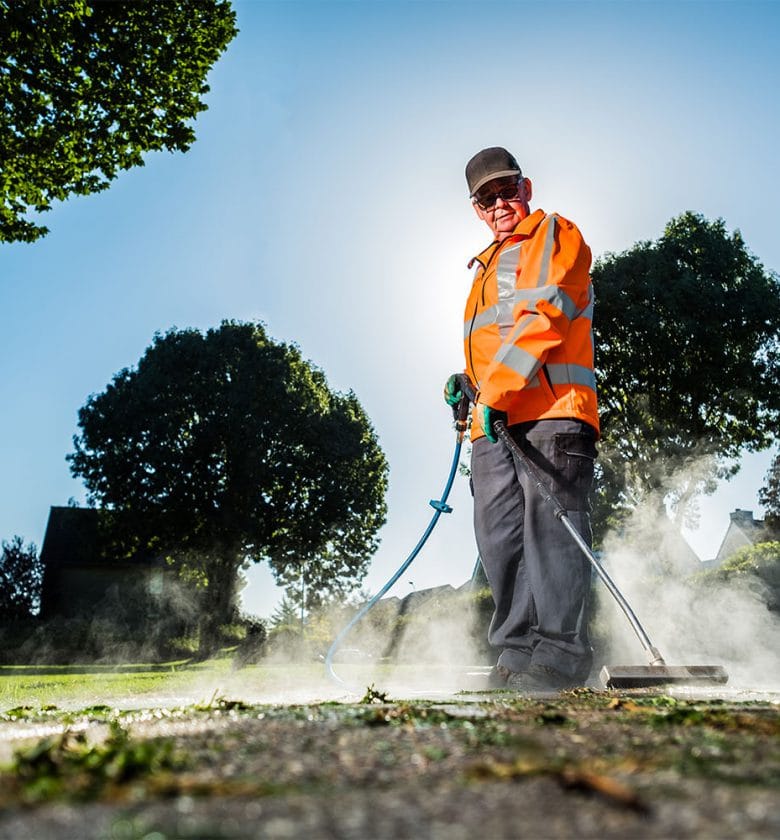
{"points": [[476, 305]]}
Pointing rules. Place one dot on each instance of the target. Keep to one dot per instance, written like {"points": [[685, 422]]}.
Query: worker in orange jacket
{"points": [[529, 352]]}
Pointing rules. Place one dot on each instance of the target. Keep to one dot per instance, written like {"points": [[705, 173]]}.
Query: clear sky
{"points": [[325, 196]]}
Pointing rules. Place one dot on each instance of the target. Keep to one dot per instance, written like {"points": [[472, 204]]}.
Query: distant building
{"points": [[432, 596], [743, 531], [79, 579], [401, 628]]}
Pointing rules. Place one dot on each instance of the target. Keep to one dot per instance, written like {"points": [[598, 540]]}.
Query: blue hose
{"points": [[440, 506]]}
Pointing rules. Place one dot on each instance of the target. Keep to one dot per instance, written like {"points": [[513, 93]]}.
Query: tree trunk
{"points": [[216, 605]]}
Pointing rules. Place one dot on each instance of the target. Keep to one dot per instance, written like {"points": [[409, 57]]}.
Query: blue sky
{"points": [[325, 197]]}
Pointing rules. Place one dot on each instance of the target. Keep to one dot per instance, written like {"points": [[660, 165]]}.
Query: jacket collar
{"points": [[525, 229], [529, 225]]}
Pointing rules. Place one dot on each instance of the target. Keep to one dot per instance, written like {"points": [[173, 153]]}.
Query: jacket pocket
{"points": [[546, 385]]}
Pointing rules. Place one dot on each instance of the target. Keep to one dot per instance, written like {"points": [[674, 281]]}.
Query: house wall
{"points": [[735, 539], [743, 531], [78, 590]]}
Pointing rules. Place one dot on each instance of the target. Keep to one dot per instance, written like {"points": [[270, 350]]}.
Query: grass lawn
{"points": [[69, 686], [180, 682], [184, 683]]}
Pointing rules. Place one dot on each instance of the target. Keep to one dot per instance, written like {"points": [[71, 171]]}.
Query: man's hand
{"points": [[452, 392], [487, 417]]}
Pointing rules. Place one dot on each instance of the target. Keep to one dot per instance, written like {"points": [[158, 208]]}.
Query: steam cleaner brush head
{"points": [[646, 676]]}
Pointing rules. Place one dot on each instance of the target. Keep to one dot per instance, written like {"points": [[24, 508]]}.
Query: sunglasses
{"points": [[511, 192]]}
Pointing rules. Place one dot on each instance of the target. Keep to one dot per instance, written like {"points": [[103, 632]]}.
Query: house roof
{"points": [[71, 535], [73, 538], [743, 531]]}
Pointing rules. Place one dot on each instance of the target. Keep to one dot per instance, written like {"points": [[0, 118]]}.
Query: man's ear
{"points": [[529, 190]]}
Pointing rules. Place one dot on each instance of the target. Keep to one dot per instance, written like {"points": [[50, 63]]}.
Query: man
{"points": [[529, 353]]}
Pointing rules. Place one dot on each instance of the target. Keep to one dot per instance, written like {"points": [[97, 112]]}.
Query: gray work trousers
{"points": [[539, 578]]}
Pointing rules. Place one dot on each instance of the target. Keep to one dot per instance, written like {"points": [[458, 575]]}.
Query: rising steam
{"points": [[692, 623]]}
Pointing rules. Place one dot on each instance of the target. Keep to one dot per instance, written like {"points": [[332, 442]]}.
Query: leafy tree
{"points": [[687, 331], [769, 495], [228, 448], [21, 578], [89, 86], [286, 616]]}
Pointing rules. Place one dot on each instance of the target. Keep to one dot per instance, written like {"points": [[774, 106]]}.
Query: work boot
{"points": [[540, 678]]}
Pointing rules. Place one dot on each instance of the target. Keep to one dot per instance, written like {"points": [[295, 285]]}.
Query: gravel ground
{"points": [[579, 764]]}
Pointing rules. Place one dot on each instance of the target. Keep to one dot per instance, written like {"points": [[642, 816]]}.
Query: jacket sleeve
{"points": [[552, 287]]}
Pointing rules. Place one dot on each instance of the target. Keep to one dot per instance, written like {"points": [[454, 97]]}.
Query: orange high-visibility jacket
{"points": [[527, 330]]}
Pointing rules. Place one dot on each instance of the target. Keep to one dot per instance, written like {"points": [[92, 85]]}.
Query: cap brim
{"points": [[504, 173]]}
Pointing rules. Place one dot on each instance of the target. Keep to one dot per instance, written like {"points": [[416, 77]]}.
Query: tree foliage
{"points": [[89, 86], [225, 448], [686, 331], [286, 616], [769, 495], [755, 566], [21, 578]]}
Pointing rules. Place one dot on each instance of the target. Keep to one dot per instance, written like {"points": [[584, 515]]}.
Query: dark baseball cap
{"points": [[489, 164]]}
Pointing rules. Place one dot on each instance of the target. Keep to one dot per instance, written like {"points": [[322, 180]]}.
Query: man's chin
{"points": [[507, 222], [502, 231]]}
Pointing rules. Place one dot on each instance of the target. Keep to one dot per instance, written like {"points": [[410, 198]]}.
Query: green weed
{"points": [[373, 695], [68, 765]]}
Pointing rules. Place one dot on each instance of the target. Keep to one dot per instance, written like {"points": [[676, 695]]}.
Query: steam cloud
{"points": [[722, 623]]}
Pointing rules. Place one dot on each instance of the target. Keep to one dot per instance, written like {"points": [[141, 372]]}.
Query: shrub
{"points": [[756, 566]]}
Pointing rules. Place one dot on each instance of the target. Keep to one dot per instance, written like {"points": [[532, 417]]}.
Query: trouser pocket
{"points": [[574, 457]]}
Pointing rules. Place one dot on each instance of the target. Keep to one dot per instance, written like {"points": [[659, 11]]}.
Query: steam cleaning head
{"points": [[647, 676]]}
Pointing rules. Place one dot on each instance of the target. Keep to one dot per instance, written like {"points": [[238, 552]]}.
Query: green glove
{"points": [[487, 417], [452, 393]]}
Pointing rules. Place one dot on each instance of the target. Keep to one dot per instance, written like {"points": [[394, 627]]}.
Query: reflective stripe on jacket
{"points": [[527, 330]]}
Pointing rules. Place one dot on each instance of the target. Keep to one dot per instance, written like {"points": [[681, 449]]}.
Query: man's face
{"points": [[502, 204]]}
